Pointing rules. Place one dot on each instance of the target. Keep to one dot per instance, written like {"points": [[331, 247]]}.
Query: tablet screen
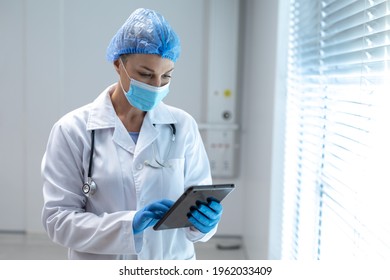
{"points": [[176, 217]]}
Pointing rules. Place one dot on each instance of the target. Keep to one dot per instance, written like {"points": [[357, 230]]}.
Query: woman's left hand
{"points": [[205, 216]]}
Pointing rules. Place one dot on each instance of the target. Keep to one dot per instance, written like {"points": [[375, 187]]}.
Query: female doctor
{"points": [[113, 167]]}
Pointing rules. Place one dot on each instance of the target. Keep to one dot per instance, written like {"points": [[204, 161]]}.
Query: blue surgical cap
{"points": [[145, 32]]}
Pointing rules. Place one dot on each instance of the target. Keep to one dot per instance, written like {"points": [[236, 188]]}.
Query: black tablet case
{"points": [[176, 217]]}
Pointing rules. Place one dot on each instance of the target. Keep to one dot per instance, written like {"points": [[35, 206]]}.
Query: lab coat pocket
{"points": [[173, 177]]}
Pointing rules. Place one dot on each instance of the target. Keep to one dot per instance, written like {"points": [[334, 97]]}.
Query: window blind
{"points": [[337, 145]]}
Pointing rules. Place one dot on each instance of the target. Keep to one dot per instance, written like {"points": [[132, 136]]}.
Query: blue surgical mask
{"points": [[143, 96]]}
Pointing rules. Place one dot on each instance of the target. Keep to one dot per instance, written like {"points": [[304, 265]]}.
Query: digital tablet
{"points": [[176, 217]]}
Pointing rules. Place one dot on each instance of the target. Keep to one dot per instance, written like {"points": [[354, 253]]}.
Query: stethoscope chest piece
{"points": [[89, 188]]}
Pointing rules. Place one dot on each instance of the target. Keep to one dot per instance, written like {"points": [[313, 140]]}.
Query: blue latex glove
{"points": [[205, 216], [150, 214]]}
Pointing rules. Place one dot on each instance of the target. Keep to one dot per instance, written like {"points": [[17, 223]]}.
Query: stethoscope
{"points": [[89, 187]]}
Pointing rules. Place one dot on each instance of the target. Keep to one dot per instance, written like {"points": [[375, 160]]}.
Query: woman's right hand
{"points": [[150, 214]]}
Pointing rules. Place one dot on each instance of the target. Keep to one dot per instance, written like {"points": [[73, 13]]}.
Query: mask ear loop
{"points": [[120, 80]]}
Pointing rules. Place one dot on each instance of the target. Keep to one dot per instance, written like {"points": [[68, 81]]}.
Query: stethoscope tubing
{"points": [[92, 152]]}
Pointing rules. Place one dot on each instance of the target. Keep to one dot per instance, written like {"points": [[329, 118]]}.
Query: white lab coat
{"points": [[100, 227]]}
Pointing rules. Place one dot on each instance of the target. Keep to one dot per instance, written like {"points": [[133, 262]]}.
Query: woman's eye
{"points": [[146, 75]]}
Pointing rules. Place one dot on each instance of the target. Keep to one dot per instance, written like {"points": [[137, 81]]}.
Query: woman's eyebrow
{"points": [[147, 68], [151, 70]]}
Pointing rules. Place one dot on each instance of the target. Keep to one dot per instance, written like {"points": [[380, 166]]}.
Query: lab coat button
{"points": [[140, 166]]}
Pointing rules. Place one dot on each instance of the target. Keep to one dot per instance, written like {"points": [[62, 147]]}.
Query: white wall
{"points": [[262, 126], [12, 118]]}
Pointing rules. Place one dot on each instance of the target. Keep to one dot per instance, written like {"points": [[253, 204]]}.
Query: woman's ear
{"points": [[117, 65]]}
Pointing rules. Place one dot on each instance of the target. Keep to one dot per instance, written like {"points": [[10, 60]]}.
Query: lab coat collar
{"points": [[161, 115], [102, 113]]}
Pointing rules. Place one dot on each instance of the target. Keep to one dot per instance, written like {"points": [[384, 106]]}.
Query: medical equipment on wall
{"points": [[90, 187], [220, 128]]}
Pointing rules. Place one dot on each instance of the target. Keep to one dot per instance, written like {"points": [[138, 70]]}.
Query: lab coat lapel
{"points": [[149, 133]]}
